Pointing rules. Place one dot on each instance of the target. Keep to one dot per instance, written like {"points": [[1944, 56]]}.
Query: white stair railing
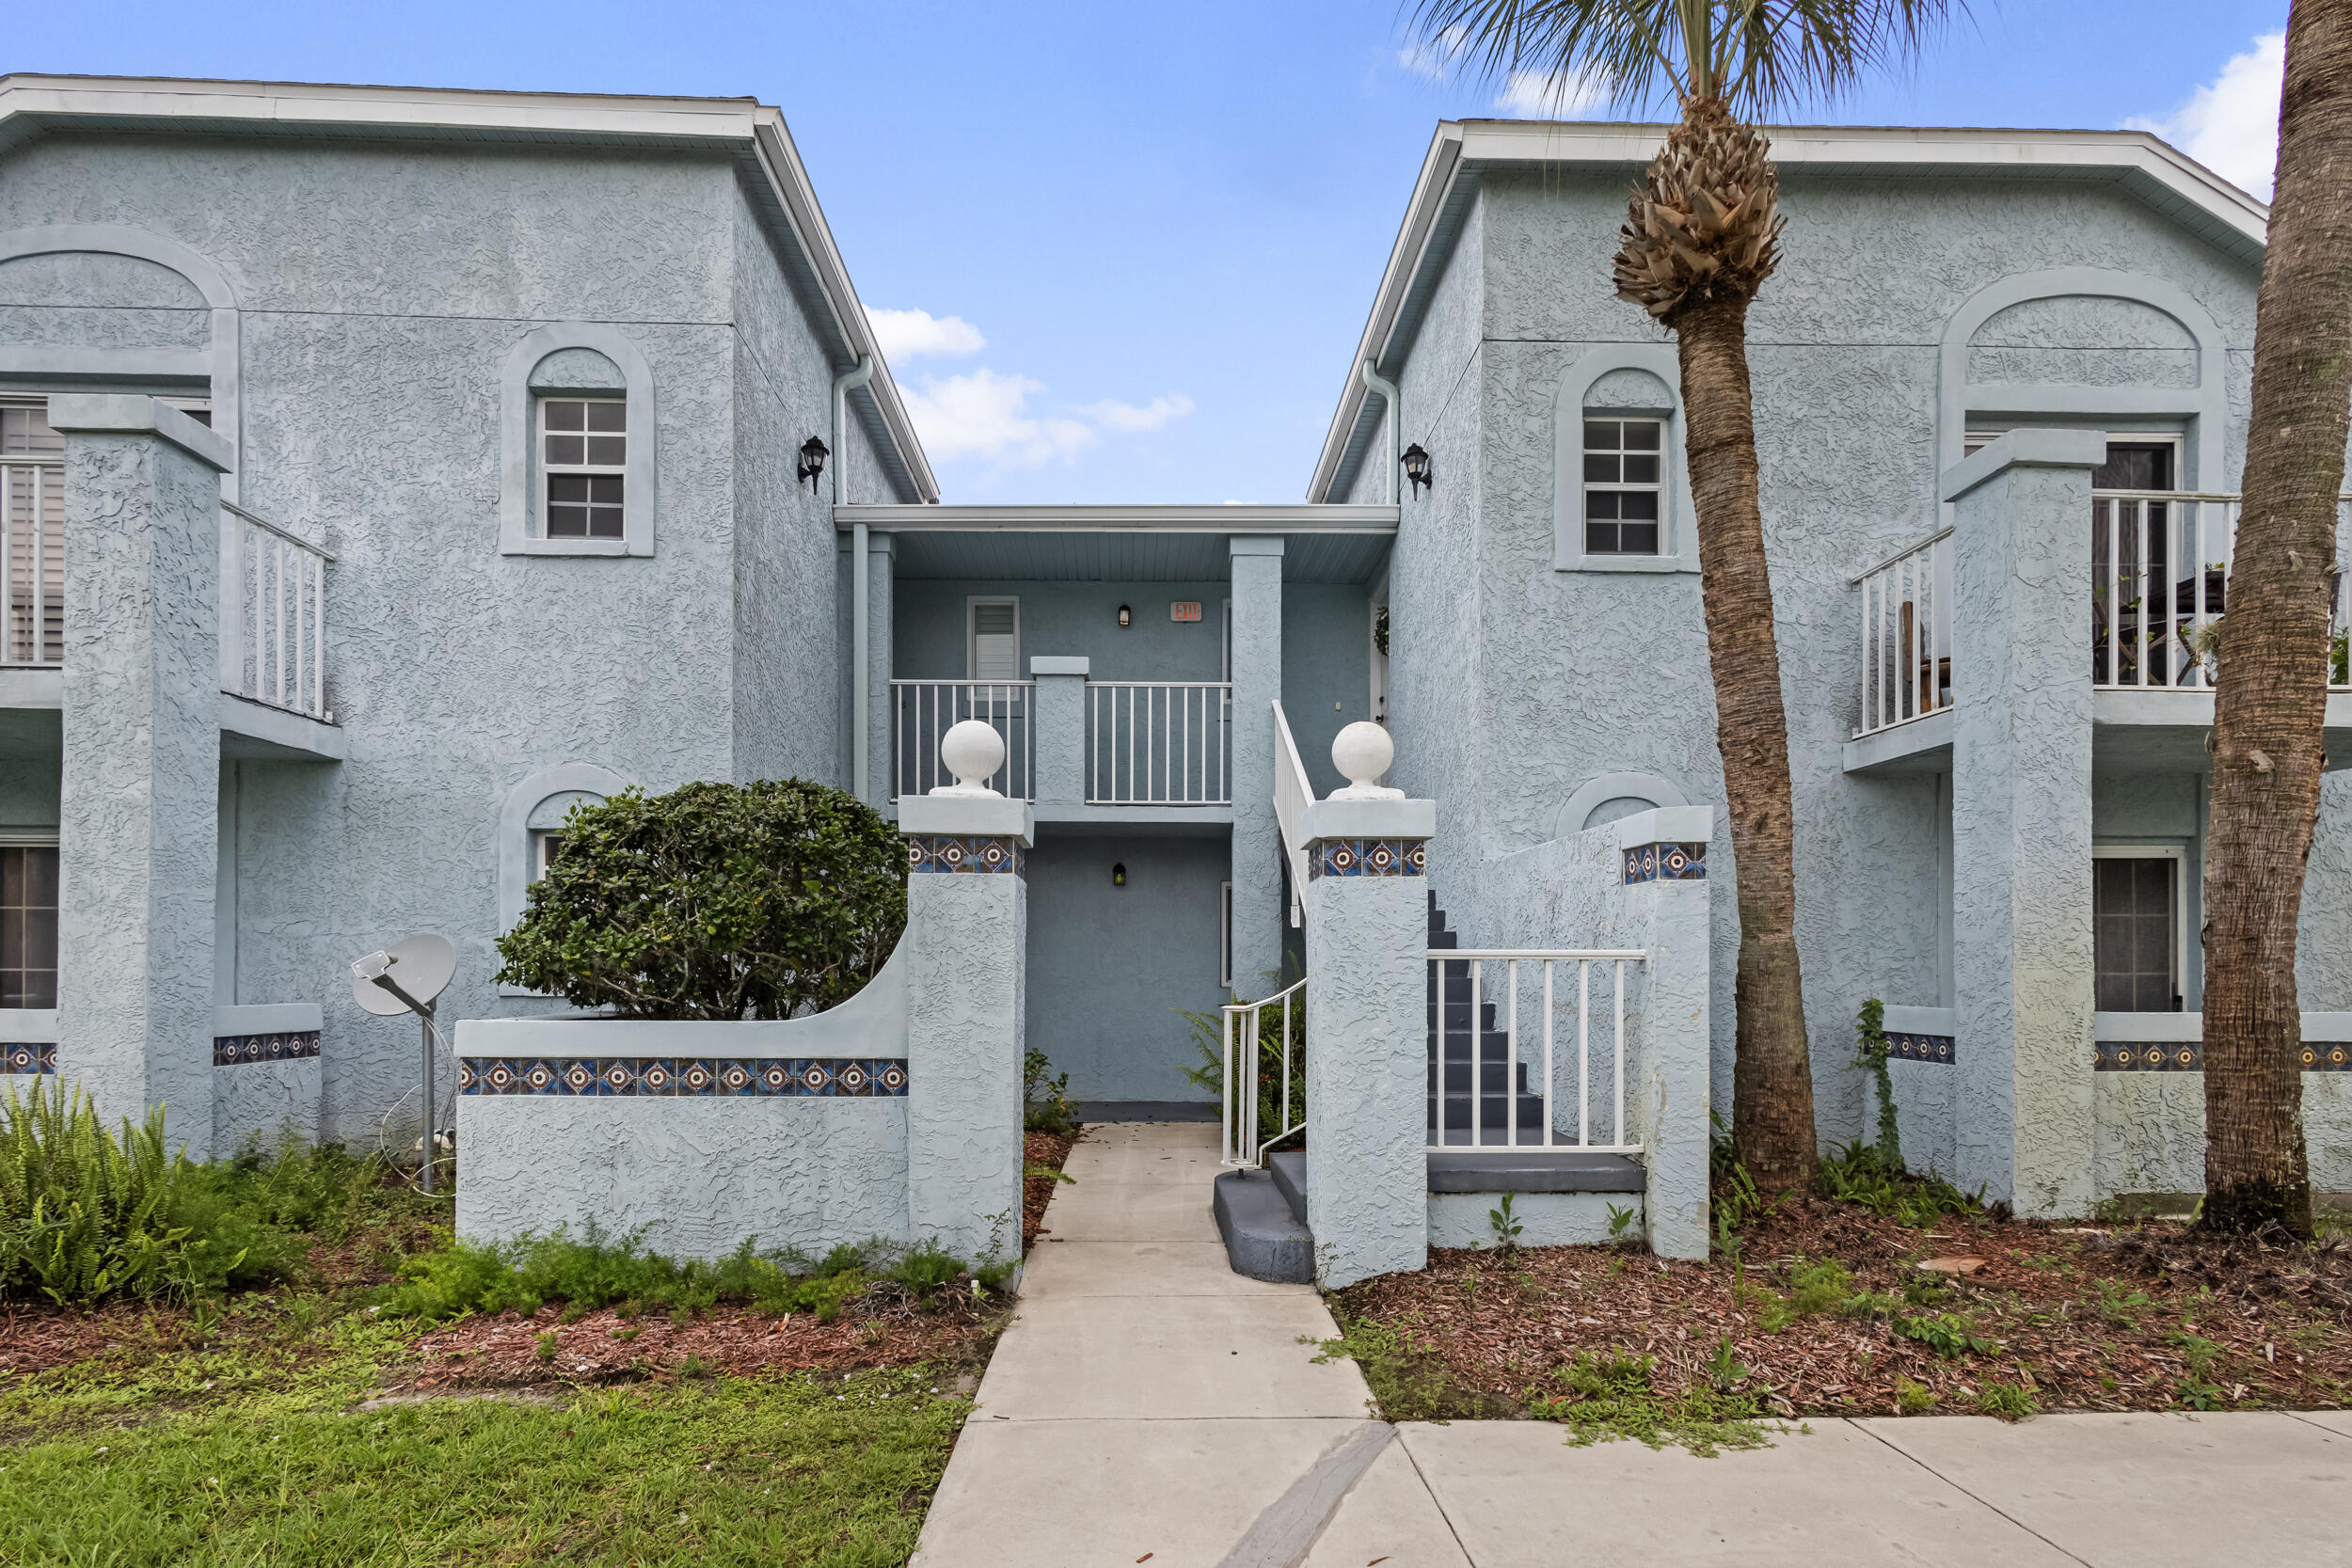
{"points": [[1245, 1142], [1293, 795], [273, 604], [1463, 1113], [1158, 744]]}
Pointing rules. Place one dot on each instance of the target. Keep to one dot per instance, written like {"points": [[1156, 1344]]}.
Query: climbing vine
{"points": [[1871, 1051]]}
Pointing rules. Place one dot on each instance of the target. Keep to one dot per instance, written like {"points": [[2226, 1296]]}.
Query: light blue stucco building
{"points": [[389, 470]]}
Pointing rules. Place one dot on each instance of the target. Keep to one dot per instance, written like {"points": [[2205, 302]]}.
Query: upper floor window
{"points": [[32, 538], [25, 432], [584, 460], [993, 642], [1622, 479]]}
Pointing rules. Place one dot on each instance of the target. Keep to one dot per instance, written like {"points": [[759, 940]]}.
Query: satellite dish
{"points": [[416, 967]]}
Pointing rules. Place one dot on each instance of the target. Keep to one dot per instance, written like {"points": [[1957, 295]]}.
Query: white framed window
{"points": [[991, 642], [28, 923], [544, 847], [584, 467], [1225, 936], [1624, 480], [32, 534], [2140, 936]]}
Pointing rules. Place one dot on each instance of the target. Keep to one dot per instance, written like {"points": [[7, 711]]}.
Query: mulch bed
{"points": [[2083, 1320], [1041, 1149]]}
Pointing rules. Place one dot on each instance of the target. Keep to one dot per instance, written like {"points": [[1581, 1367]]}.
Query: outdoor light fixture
{"points": [[1118, 874], [1126, 617], [813, 455], [1417, 467]]}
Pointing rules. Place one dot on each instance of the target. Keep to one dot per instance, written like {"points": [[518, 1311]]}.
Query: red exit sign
{"points": [[1184, 610]]}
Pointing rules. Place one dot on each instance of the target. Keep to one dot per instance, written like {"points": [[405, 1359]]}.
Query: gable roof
{"points": [[2137, 162], [752, 133]]}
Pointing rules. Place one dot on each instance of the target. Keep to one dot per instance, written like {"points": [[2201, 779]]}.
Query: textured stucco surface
{"points": [[379, 289], [1546, 1219], [261, 1100], [140, 779], [1259, 909], [966, 979]]}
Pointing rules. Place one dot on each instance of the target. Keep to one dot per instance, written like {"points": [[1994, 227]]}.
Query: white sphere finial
{"points": [[971, 751], [1362, 753]]}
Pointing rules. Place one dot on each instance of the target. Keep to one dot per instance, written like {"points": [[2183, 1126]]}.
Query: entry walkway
{"points": [[1148, 1401]]}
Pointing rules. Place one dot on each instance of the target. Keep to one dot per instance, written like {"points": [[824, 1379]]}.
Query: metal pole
{"points": [[425, 1018]]}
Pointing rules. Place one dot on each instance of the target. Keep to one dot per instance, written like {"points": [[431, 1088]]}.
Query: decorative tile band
{"points": [[935, 853], [2189, 1057], [1939, 1048], [1367, 857], [30, 1059], [695, 1077], [238, 1050], [1665, 863]]}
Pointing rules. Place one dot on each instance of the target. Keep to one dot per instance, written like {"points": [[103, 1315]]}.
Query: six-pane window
{"points": [[1621, 483], [585, 458], [28, 926], [2135, 939]]}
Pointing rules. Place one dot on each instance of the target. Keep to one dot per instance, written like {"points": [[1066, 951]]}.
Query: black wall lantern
{"points": [[1118, 874], [1417, 467], [1126, 617], [813, 455]]}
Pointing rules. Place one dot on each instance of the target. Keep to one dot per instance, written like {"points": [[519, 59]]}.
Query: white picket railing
{"points": [[922, 711], [1459, 997], [274, 638], [1159, 743], [1907, 635], [1244, 1141], [2159, 571], [1293, 795], [32, 563]]}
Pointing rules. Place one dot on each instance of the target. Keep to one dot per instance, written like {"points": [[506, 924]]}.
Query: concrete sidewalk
{"points": [[1148, 1401]]}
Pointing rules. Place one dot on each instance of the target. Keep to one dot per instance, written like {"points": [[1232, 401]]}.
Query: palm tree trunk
{"points": [[1772, 1077], [2270, 704]]}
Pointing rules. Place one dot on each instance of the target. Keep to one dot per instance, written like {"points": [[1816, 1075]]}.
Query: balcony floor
{"points": [[249, 730], [2143, 731]]}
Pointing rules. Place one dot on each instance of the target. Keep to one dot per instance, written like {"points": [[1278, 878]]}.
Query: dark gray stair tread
{"points": [[1534, 1170], [1262, 1238], [1289, 1169], [1148, 1110]]}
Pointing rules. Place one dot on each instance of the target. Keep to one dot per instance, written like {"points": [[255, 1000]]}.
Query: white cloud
{"points": [[1433, 57], [1113, 414], [2231, 125], [1552, 94], [909, 334], [986, 415]]}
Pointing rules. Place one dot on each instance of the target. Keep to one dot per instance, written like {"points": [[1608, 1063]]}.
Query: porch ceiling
{"points": [[1065, 556]]}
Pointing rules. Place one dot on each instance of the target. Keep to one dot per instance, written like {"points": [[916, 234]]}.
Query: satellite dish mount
{"points": [[406, 977]]}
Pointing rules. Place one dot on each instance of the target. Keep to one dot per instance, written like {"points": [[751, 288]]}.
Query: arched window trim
{"points": [[513, 836], [516, 532], [1615, 787], [1678, 540]]}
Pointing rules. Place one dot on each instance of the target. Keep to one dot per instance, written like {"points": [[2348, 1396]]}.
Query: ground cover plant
{"points": [[1901, 1297]]}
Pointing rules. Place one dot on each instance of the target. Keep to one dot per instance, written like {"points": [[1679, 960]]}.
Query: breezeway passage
{"points": [[1149, 1399]]}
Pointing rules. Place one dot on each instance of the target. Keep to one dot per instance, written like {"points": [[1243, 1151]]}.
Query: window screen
{"points": [[996, 639], [584, 456], [2132, 904], [1622, 463], [28, 926]]}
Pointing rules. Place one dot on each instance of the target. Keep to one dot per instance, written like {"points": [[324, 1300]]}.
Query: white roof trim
{"points": [[1121, 519], [743, 123], [1893, 148]]}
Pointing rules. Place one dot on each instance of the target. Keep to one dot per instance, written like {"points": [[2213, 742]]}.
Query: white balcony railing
{"points": [[1907, 635], [1293, 794], [273, 636], [922, 711], [32, 563], [1493, 1084], [1159, 743]]}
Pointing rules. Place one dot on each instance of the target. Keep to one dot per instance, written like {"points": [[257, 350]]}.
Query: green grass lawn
{"points": [[787, 1471]]}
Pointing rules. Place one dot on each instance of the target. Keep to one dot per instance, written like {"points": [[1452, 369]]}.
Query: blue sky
{"points": [[1157, 229]]}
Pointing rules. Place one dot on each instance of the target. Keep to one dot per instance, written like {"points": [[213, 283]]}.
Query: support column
{"points": [[1367, 1021], [139, 813], [1664, 899], [2022, 955], [1058, 736], [1257, 675], [967, 963], [873, 592]]}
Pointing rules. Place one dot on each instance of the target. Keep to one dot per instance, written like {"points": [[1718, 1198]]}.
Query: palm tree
{"points": [[1701, 235], [2270, 702]]}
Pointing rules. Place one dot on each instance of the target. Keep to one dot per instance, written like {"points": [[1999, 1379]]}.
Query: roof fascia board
{"points": [[1119, 519], [1477, 143]]}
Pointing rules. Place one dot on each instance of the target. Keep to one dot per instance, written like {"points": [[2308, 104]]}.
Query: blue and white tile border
{"points": [[289, 1046], [2189, 1057], [1939, 1048], [948, 853], [1367, 857], [30, 1057], [1665, 863], [686, 1077]]}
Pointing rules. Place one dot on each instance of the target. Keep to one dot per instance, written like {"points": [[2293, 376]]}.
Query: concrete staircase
{"points": [[1451, 1063]]}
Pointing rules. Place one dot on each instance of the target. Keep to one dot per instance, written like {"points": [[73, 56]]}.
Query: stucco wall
{"points": [[1327, 677], [1078, 619]]}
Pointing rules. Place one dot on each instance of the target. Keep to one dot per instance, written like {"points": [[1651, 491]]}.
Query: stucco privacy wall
{"points": [[1576, 674], [380, 288]]}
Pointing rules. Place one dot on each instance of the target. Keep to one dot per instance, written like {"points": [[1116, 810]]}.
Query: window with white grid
{"points": [[1622, 476], [583, 457]]}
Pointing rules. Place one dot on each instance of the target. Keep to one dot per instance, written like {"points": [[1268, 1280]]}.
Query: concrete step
{"points": [[1290, 1179], [1534, 1170], [1263, 1240]]}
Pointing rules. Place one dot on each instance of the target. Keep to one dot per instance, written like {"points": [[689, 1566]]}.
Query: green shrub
{"points": [[1046, 1105], [1860, 1173], [2010, 1402], [714, 901], [1914, 1398], [1274, 1113]]}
